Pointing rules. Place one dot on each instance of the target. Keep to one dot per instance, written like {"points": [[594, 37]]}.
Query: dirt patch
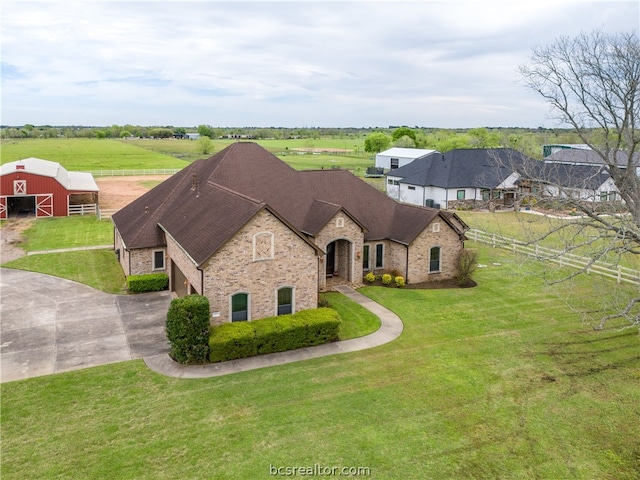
{"points": [[118, 192], [11, 236]]}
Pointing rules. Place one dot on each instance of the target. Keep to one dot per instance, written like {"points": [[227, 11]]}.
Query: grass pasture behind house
{"points": [[497, 381], [89, 154]]}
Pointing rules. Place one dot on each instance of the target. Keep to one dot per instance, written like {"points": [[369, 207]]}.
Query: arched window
{"points": [[285, 300], [434, 260], [240, 307]]}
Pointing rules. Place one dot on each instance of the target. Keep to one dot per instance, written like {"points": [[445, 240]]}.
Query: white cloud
{"points": [[283, 63]]}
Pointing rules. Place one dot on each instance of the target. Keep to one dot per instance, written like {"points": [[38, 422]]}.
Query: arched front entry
{"points": [[338, 264]]}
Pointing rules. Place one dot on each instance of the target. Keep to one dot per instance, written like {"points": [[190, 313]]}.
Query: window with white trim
{"points": [[285, 300], [460, 194], [158, 259], [240, 307], [19, 187], [434, 260], [365, 257], [379, 255], [435, 228]]}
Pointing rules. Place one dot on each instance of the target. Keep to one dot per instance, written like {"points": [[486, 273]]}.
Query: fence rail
{"points": [[564, 259], [106, 213], [131, 173], [85, 209]]}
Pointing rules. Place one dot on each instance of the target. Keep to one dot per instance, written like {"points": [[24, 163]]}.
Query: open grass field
{"points": [[527, 227], [339, 153], [497, 381], [86, 154]]}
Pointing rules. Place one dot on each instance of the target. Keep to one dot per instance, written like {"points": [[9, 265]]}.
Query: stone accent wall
{"points": [[186, 266], [419, 253], [232, 270], [348, 263]]}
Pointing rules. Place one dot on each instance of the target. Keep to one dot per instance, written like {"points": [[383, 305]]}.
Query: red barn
{"points": [[42, 188]]}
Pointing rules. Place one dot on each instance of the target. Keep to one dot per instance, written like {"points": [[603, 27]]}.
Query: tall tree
{"points": [[376, 142], [592, 83]]}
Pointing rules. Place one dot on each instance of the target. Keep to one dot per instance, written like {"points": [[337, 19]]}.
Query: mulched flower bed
{"points": [[443, 284]]}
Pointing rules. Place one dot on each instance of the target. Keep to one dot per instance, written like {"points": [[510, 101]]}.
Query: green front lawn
{"points": [[497, 381]]}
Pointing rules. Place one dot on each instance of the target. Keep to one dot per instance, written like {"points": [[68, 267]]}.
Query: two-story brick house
{"points": [[259, 238]]}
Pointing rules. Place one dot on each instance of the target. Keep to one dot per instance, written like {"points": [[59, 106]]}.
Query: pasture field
{"points": [[496, 381], [343, 153], [90, 154], [525, 227], [86, 154]]}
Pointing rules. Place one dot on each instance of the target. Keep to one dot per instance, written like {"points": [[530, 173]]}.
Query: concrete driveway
{"points": [[51, 325]]}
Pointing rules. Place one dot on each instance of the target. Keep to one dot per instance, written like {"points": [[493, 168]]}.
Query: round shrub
{"points": [[386, 279], [188, 328], [399, 281], [370, 277]]}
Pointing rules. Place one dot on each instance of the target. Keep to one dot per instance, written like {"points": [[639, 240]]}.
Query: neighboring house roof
{"points": [[588, 157], [589, 177], [77, 181], [206, 203], [461, 168], [406, 152]]}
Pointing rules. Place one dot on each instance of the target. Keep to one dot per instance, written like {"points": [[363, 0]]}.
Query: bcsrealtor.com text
{"points": [[318, 470]]}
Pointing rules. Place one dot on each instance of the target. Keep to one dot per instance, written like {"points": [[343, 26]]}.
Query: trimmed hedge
{"points": [[274, 334], [150, 282], [188, 329]]}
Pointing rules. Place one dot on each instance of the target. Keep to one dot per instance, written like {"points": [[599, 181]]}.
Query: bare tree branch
{"points": [[592, 83]]}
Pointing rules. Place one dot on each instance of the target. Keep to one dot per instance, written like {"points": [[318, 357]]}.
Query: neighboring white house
{"points": [[458, 177], [397, 157]]}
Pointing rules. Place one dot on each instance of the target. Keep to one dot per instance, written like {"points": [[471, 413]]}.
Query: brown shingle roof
{"points": [[203, 205]]}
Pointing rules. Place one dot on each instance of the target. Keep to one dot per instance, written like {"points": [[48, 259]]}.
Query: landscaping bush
{"points": [[232, 340], [386, 279], [188, 329], [399, 281], [370, 277], [150, 282], [273, 334], [466, 267]]}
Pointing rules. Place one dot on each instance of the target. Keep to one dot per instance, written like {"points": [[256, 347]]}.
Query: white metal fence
{"points": [[131, 173], [564, 259], [105, 213], [85, 209]]}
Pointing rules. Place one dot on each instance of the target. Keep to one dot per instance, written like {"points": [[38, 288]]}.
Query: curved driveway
{"points": [[50, 325]]}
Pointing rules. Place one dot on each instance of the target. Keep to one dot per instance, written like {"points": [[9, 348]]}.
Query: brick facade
{"points": [[419, 253], [412, 262], [349, 240], [232, 269]]}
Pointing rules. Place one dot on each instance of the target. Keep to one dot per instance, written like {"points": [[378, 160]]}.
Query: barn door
{"points": [[44, 205], [3, 208]]}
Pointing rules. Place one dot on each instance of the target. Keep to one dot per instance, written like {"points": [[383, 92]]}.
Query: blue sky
{"points": [[284, 63]]}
